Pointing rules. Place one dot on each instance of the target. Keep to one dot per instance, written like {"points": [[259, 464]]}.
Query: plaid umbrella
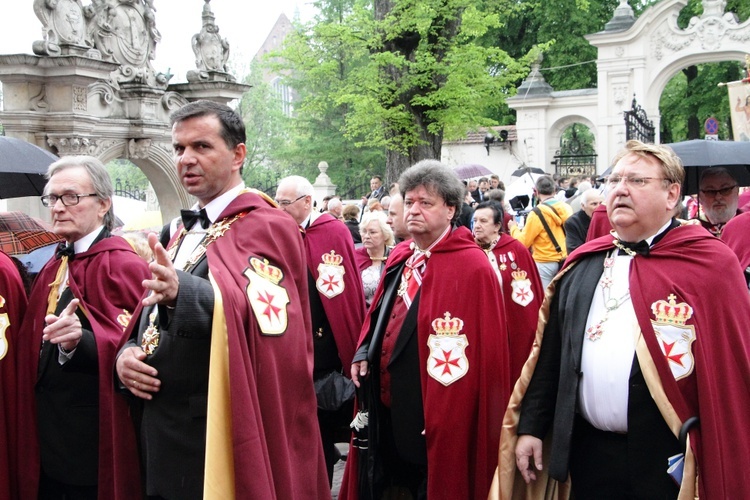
{"points": [[21, 234]]}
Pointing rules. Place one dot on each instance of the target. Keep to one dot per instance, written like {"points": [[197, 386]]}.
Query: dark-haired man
{"points": [[223, 362], [435, 374]]}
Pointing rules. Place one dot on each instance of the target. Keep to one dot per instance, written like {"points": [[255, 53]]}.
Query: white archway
{"points": [[635, 57]]}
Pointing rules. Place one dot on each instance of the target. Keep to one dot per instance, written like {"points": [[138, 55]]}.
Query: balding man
{"points": [[396, 218], [718, 195], [337, 299], [632, 348], [336, 208]]}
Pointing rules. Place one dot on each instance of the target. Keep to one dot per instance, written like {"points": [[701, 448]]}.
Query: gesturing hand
{"points": [[164, 284], [65, 329]]}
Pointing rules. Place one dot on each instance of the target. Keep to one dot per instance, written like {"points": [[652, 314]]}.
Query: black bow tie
{"points": [[630, 248], [190, 217], [65, 250]]}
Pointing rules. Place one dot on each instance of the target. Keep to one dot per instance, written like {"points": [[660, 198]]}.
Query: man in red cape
{"points": [[12, 307], [69, 399], [433, 359], [685, 353], [736, 235], [222, 354], [337, 300]]}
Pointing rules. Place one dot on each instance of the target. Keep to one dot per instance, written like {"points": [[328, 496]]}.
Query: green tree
{"points": [[403, 74], [127, 176]]}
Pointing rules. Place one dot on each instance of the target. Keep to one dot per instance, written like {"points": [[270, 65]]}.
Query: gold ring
{"points": [[134, 382]]}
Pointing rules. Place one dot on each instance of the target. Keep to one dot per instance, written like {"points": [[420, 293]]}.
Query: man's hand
{"points": [[165, 284], [136, 375], [359, 369], [528, 447], [512, 224], [66, 329]]}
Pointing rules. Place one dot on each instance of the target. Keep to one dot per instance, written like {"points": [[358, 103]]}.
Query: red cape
{"points": [[600, 225], [110, 266], [736, 235], [701, 272], [521, 320], [12, 308], [463, 419], [345, 311], [277, 448], [362, 259]]}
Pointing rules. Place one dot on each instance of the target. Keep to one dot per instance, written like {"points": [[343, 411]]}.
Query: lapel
{"points": [[391, 279], [407, 329]]}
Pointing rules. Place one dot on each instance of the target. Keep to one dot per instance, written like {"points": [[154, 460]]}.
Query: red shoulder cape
{"points": [[736, 235], [345, 311], [463, 419], [698, 270], [521, 320], [12, 307], [600, 225], [107, 280], [277, 449]]}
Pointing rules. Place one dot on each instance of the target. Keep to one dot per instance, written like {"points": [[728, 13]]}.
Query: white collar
{"points": [[85, 243]]}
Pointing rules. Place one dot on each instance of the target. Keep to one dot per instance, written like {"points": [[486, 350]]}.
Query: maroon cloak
{"points": [[521, 320], [462, 418], [600, 225], [258, 267], [692, 308], [12, 307], [107, 280], [736, 235], [345, 310]]}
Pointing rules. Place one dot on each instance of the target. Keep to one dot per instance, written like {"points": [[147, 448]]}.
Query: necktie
{"points": [[190, 217], [412, 275], [630, 248]]}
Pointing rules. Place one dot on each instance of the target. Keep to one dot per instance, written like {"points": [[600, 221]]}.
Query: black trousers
{"points": [[607, 465], [51, 489]]}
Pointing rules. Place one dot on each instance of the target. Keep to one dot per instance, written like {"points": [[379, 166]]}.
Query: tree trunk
{"points": [[693, 124]]}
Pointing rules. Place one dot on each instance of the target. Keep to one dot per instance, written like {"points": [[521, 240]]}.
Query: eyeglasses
{"points": [[68, 199], [636, 182], [286, 203], [711, 193]]}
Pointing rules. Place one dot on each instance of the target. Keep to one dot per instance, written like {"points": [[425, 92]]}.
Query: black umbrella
{"points": [[527, 170], [22, 168], [699, 154]]}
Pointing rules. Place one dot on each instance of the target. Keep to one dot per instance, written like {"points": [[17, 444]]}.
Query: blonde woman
{"points": [[377, 241]]}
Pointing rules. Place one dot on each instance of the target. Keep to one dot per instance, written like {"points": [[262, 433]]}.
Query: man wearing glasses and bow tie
{"points": [[643, 357], [77, 440], [220, 353]]}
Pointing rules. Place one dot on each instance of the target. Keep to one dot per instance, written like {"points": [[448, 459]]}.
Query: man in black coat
{"points": [[577, 226]]}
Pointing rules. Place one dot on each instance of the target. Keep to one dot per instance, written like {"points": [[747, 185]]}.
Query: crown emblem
{"points": [[331, 259], [670, 312], [266, 270], [447, 325], [519, 275]]}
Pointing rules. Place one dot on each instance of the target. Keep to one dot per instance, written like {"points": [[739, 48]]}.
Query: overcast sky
{"points": [[245, 23]]}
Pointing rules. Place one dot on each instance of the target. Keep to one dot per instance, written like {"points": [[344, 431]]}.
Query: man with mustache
{"points": [[718, 195]]}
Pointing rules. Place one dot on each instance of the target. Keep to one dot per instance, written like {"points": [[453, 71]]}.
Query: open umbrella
{"points": [[471, 170], [527, 170], [21, 234], [22, 168], [700, 154]]}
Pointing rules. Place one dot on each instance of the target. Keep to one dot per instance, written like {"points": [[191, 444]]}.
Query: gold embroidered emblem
{"points": [[675, 338], [447, 361], [330, 280], [124, 319], [4, 324], [150, 339], [267, 298]]}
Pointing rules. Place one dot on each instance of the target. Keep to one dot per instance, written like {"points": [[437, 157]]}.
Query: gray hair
{"points": [[381, 218], [99, 176], [588, 194], [434, 176], [302, 186], [496, 194]]}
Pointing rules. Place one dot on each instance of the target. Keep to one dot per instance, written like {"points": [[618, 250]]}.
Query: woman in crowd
{"points": [[518, 276], [377, 241]]}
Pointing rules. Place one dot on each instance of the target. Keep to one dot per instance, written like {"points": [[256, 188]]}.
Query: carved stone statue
{"points": [[211, 51], [64, 29]]}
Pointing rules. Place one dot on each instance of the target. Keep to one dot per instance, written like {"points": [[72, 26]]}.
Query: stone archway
{"points": [[635, 57], [87, 90]]}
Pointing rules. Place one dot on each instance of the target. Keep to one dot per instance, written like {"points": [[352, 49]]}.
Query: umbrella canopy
{"points": [[527, 170], [471, 170], [21, 234], [22, 168], [699, 154]]}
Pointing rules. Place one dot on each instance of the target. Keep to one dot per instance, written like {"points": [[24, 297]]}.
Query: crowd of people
{"points": [[584, 353]]}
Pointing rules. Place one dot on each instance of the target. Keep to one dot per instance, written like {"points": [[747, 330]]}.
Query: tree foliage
{"points": [[402, 74]]}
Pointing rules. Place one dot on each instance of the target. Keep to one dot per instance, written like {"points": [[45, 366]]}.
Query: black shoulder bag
{"points": [[539, 214]]}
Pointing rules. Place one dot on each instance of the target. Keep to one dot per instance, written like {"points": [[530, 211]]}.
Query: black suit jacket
{"points": [[576, 229], [173, 423], [552, 396], [407, 411]]}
